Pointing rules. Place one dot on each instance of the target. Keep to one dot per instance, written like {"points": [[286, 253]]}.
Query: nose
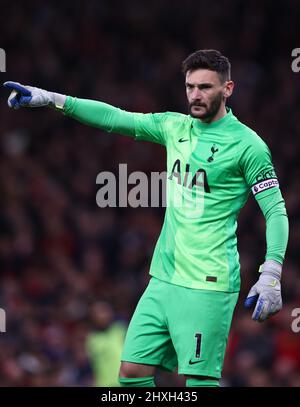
{"points": [[196, 94]]}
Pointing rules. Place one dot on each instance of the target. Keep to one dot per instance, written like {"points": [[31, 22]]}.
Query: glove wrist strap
{"points": [[272, 268], [57, 100]]}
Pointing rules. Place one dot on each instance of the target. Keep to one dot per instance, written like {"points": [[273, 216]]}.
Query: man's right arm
{"points": [[100, 115], [90, 112]]}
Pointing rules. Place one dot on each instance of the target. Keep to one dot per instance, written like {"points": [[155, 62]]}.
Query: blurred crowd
{"points": [[70, 272]]}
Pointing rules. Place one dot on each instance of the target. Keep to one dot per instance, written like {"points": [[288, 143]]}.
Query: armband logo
{"points": [[264, 185]]}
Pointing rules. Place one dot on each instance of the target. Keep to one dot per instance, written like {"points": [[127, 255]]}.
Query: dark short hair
{"points": [[208, 59]]}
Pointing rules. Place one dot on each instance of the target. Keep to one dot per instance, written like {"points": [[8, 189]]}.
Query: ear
{"points": [[229, 85]]}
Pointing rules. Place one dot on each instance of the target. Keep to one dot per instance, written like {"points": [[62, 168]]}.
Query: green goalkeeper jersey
{"points": [[211, 169]]}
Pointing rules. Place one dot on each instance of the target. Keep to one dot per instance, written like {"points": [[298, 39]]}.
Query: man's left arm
{"points": [[260, 175]]}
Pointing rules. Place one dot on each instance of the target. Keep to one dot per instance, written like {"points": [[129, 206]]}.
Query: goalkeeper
{"points": [[213, 163]]}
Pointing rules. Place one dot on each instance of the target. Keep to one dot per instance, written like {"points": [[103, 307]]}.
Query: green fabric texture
{"points": [[197, 382], [147, 381], [277, 226], [175, 326], [100, 115]]}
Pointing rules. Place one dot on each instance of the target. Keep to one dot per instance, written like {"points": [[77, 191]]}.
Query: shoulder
{"points": [[174, 117], [164, 117], [247, 138], [178, 116]]}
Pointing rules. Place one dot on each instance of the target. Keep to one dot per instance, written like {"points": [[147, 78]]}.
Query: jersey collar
{"points": [[216, 124]]}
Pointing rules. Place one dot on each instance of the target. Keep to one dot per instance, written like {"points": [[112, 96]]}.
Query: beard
{"points": [[207, 112]]}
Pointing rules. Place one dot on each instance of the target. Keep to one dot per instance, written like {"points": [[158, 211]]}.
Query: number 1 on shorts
{"points": [[198, 337]]}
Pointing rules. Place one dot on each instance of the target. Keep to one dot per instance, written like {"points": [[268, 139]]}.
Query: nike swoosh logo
{"points": [[197, 361], [181, 140]]}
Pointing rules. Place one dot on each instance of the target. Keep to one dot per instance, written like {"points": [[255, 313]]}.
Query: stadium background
{"points": [[60, 254]]}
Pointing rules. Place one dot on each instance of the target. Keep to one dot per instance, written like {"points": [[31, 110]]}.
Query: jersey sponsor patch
{"points": [[264, 185]]}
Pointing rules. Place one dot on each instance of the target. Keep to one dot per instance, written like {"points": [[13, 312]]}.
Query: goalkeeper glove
{"points": [[29, 96], [266, 293]]}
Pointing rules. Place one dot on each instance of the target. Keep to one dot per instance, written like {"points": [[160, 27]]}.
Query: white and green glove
{"points": [[29, 96], [266, 293]]}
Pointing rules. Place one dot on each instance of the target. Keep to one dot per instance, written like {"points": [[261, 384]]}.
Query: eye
{"points": [[206, 86]]}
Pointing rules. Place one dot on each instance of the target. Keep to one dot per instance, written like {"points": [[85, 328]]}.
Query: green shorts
{"points": [[175, 326]]}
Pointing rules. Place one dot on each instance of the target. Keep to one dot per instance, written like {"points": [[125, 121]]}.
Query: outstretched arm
{"points": [[90, 112]]}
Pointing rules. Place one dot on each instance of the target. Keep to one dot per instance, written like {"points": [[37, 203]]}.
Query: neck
{"points": [[221, 113]]}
